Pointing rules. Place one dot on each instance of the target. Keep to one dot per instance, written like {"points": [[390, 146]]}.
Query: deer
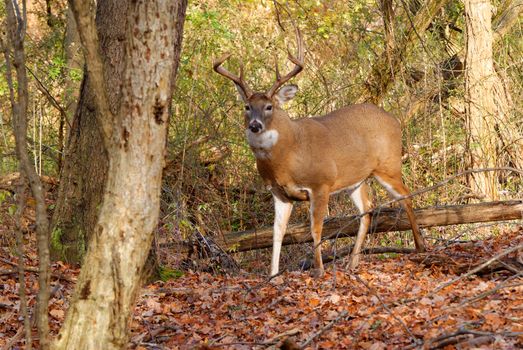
{"points": [[310, 158]]}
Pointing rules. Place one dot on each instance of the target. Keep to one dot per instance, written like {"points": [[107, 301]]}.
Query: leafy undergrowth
{"points": [[389, 303]]}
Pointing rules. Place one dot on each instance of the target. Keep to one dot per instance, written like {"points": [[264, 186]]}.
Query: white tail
{"points": [[311, 158]]}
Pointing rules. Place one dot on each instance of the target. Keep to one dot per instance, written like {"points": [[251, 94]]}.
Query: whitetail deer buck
{"points": [[311, 158]]}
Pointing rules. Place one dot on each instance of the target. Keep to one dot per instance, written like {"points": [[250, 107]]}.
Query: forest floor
{"points": [[419, 301]]}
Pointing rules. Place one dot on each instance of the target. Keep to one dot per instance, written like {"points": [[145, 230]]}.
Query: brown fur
{"points": [[310, 158], [317, 156]]}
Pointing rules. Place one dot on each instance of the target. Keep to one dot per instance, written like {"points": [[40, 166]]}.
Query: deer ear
{"points": [[286, 93], [241, 92]]}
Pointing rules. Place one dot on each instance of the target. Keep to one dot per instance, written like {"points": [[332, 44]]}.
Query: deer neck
{"points": [[268, 145]]}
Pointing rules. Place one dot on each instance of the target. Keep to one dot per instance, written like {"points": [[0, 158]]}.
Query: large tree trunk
{"points": [[135, 136], [82, 182], [83, 177], [481, 79]]}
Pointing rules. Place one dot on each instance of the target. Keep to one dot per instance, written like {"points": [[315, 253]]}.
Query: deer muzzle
{"points": [[255, 126]]}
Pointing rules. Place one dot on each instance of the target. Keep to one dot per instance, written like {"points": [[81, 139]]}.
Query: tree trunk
{"points": [[16, 25], [480, 82], [74, 63], [135, 136], [387, 14], [83, 177], [385, 69]]}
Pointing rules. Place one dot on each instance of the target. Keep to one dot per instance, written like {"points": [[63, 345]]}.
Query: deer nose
{"points": [[255, 126]]}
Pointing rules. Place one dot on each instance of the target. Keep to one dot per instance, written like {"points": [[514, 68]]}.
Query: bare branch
{"points": [[343, 314], [298, 66], [20, 192], [478, 268]]}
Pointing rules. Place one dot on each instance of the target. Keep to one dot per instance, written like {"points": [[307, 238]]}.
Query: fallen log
{"points": [[383, 220]]}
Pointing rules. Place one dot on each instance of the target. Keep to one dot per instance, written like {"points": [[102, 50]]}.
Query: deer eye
{"points": [[247, 108], [268, 108]]}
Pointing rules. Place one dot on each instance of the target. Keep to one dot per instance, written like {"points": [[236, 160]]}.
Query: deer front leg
{"points": [[360, 197], [319, 206], [282, 212]]}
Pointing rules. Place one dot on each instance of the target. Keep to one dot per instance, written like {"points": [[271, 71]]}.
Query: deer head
{"points": [[260, 107]]}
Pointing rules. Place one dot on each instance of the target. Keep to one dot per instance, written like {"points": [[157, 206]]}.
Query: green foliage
{"points": [[167, 273], [211, 183], [56, 240], [76, 74], [56, 68], [4, 195], [343, 41], [11, 209]]}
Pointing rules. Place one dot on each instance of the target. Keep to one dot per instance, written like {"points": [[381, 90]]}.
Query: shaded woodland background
{"points": [[210, 182]]}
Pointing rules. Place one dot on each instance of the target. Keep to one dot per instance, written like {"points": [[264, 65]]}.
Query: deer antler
{"points": [[237, 80], [298, 61]]}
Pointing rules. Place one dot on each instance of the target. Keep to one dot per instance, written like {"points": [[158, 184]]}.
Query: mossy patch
{"points": [[166, 273]]}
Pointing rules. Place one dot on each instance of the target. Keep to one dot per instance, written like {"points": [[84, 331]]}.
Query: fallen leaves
{"points": [[387, 304]]}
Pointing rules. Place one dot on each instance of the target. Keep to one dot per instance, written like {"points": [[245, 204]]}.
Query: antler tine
{"points": [[276, 69], [298, 62], [217, 66]]}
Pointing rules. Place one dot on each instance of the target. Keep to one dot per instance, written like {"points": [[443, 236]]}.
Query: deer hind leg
{"points": [[319, 206], [360, 197], [396, 188], [282, 212]]}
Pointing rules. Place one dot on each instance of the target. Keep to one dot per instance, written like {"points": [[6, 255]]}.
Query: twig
{"points": [[480, 296], [340, 316], [478, 268], [274, 340], [17, 336], [36, 270], [445, 339], [389, 311], [20, 190], [8, 262], [50, 97], [32, 322]]}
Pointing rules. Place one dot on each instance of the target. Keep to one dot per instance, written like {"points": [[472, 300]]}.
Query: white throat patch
{"points": [[262, 143]]}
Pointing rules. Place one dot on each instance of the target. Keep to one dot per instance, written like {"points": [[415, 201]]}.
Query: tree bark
{"points": [[83, 177], [387, 14], [510, 135], [74, 63], [480, 82], [506, 130], [507, 18], [383, 220], [98, 317], [385, 69]]}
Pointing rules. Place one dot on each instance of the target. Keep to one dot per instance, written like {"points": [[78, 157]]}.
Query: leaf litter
{"points": [[388, 303]]}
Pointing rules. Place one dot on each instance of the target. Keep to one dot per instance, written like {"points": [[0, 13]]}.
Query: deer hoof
{"points": [[353, 263], [317, 273]]}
